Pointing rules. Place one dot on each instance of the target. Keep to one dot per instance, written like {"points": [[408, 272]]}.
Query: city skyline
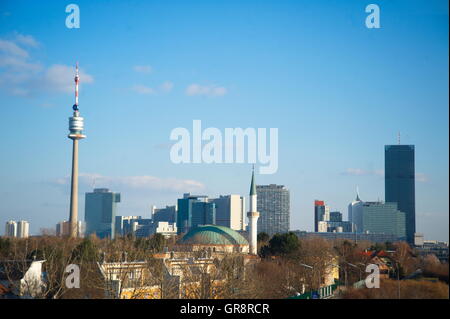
{"points": [[337, 91]]}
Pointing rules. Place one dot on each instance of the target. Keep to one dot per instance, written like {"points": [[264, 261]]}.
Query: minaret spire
{"points": [[252, 185], [253, 216]]}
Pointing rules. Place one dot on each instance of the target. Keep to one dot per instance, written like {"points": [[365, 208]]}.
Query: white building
{"points": [[230, 211], [23, 228], [418, 239], [355, 214], [164, 228], [322, 226], [11, 229], [23, 279]]}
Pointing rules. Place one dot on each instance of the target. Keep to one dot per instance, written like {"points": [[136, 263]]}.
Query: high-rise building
{"points": [[335, 217], [23, 228], [273, 208], [125, 225], [230, 211], [194, 211], [337, 225], [11, 228], [100, 212], [399, 183], [321, 214], [326, 221], [380, 218], [354, 213], [20, 229], [167, 214]]}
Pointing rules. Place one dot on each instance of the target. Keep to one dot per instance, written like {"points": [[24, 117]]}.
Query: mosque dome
{"points": [[213, 235]]}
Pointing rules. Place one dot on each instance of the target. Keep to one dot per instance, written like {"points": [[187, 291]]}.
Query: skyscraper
{"points": [[327, 221], [355, 214], [400, 183], [167, 214], [11, 229], [321, 213], [100, 212], [194, 211], [18, 229], [274, 208], [23, 228], [230, 211]]}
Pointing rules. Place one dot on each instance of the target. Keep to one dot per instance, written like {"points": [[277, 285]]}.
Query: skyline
{"points": [[337, 91]]}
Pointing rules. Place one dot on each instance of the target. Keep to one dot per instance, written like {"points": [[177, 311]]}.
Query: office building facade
{"points": [[380, 218], [125, 225], [321, 213], [273, 202], [167, 214], [230, 211], [23, 229], [194, 211], [11, 228], [100, 212]]}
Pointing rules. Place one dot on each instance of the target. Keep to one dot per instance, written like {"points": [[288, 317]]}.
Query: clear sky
{"points": [[336, 90]]}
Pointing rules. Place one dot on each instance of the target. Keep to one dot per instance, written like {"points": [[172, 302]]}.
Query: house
{"points": [[21, 279]]}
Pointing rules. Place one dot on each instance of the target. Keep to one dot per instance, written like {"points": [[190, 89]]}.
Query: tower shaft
{"points": [[73, 220]]}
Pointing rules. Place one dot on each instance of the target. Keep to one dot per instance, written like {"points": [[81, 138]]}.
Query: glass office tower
{"points": [[194, 211], [383, 218], [273, 204], [400, 183], [100, 212]]}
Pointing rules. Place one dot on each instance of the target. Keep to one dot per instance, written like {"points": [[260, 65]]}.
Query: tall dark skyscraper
{"points": [[399, 183], [100, 212]]}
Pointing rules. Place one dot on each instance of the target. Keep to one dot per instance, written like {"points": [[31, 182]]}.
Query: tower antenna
{"points": [[398, 137], [77, 80]]}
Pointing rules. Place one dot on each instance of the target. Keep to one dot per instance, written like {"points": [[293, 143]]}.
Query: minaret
{"points": [[253, 216], [76, 133]]}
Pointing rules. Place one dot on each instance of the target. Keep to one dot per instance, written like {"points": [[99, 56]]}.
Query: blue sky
{"points": [[336, 90]]}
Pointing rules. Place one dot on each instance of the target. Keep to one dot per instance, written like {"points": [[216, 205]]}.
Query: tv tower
{"points": [[76, 133]]}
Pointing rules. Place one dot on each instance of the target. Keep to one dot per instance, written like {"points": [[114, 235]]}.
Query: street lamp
{"points": [[312, 269], [345, 273], [354, 266]]}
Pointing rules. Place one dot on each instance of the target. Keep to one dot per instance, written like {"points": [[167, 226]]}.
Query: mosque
{"points": [[214, 238]]}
